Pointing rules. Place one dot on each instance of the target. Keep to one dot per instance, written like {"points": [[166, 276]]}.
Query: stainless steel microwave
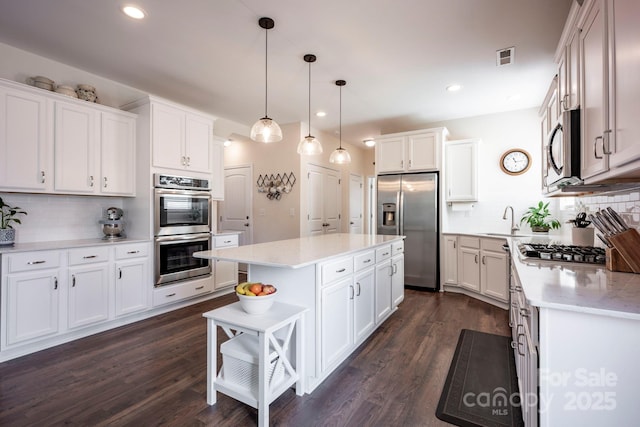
{"points": [[561, 165]]}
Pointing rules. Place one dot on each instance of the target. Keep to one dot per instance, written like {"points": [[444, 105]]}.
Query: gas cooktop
{"points": [[567, 253]]}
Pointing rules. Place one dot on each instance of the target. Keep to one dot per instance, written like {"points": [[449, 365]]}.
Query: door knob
{"points": [[246, 224]]}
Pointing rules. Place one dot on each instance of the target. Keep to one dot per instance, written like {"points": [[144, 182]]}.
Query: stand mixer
{"points": [[113, 225]]}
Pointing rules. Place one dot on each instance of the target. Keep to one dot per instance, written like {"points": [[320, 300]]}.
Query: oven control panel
{"points": [[180, 182]]}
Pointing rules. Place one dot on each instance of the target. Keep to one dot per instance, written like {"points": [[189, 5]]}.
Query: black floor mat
{"points": [[481, 387]]}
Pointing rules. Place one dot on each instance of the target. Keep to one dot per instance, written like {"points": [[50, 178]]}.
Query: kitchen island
{"points": [[350, 283], [576, 334]]}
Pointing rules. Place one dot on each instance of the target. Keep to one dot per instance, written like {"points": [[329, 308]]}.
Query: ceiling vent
{"points": [[505, 56]]}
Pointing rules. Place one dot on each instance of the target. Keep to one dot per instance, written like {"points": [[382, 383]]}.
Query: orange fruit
{"points": [[256, 288]]}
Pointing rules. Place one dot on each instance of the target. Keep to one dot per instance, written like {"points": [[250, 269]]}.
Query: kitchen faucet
{"points": [[514, 227]]}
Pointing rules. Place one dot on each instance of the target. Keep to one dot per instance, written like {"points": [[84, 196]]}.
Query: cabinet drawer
{"points": [[88, 255], [29, 261], [336, 270], [397, 247], [364, 260], [132, 251], [494, 245], [383, 253], [469, 242], [228, 240], [173, 293]]}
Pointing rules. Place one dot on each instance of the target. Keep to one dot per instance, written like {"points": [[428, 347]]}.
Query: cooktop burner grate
{"points": [[568, 253]]}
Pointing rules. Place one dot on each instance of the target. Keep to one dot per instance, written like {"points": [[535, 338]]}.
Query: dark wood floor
{"points": [[153, 373]]}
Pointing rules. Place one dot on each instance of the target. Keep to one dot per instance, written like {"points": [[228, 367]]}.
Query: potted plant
{"points": [[7, 216], [538, 218]]}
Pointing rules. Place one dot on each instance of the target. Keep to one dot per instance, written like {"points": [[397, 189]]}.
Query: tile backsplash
{"points": [[627, 204], [53, 217]]}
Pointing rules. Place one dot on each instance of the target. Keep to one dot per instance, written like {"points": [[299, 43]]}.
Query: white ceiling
{"points": [[397, 56]]}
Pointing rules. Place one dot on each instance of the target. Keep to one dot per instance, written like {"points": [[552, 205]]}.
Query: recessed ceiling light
{"points": [[321, 114], [454, 88], [369, 142], [227, 143], [134, 12]]}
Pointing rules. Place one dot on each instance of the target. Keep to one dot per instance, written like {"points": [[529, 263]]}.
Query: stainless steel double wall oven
{"points": [[182, 223]]}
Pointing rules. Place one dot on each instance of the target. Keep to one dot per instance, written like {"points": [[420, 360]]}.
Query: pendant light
{"points": [[310, 145], [266, 130], [340, 155]]}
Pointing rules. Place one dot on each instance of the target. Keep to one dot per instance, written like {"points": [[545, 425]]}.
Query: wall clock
{"points": [[515, 162]]}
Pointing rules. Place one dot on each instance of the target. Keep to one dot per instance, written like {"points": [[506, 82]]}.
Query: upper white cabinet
{"points": [[181, 139], [461, 170], [569, 73], [53, 144], [25, 142], [410, 151]]}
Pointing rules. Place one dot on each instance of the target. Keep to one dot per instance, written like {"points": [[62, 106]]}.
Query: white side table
{"points": [[233, 321]]}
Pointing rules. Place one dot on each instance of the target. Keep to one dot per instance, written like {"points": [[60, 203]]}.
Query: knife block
{"points": [[627, 244], [615, 262]]}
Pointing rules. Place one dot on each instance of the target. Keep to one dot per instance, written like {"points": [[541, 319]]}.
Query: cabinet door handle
{"points": [[90, 256], [483, 263], [73, 280], [133, 252], [476, 258], [395, 268], [595, 150], [517, 288], [170, 295], [42, 177], [454, 244], [409, 164], [563, 102], [524, 312], [90, 180], [385, 254], [359, 289], [182, 160], [352, 292], [391, 270], [55, 283], [227, 241], [401, 163], [119, 273], [342, 270], [105, 182], [36, 262], [188, 161], [199, 287], [366, 261]]}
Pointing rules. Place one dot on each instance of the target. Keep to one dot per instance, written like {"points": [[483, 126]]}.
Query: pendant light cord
{"points": [[309, 116], [266, 56], [340, 117]]}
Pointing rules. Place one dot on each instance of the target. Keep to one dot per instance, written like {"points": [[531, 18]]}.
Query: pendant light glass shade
{"points": [[265, 129], [309, 146], [340, 155]]}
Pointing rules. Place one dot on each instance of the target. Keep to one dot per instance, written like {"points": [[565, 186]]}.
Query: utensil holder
{"points": [[627, 244], [582, 236], [615, 262]]}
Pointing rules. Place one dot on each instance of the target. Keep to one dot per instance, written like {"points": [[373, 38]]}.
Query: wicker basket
{"points": [[240, 363]]}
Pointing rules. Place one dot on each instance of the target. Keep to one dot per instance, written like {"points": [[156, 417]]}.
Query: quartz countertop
{"points": [[64, 244], [300, 252], [587, 288]]}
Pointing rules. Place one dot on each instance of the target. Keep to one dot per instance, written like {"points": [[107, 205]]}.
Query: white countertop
{"points": [[64, 244], [586, 288], [301, 252]]}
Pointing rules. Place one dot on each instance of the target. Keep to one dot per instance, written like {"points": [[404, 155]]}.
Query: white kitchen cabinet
{"points": [[383, 290], [609, 112], [76, 141], [482, 267], [569, 72], [364, 292], [181, 291], [450, 260], [131, 278], [181, 139], [88, 285], [337, 321], [225, 272], [217, 165], [25, 141], [397, 273], [117, 154], [461, 170], [324, 200], [410, 151], [88, 294]]}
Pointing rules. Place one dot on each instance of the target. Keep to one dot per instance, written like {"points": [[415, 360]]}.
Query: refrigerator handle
{"points": [[400, 212]]}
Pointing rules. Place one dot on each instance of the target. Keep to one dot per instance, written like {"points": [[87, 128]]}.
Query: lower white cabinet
{"points": [[88, 294], [225, 272], [364, 318], [383, 291], [337, 321], [182, 290], [481, 266], [32, 301], [397, 273], [48, 293]]}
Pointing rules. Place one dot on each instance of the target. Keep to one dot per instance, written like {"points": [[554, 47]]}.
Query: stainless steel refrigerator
{"points": [[408, 205]]}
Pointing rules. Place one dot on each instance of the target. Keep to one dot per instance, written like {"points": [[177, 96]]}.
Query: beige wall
{"points": [[273, 219]]}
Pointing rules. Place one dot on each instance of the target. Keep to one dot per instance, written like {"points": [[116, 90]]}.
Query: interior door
{"points": [[235, 210], [314, 203], [356, 203], [324, 199], [332, 195]]}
